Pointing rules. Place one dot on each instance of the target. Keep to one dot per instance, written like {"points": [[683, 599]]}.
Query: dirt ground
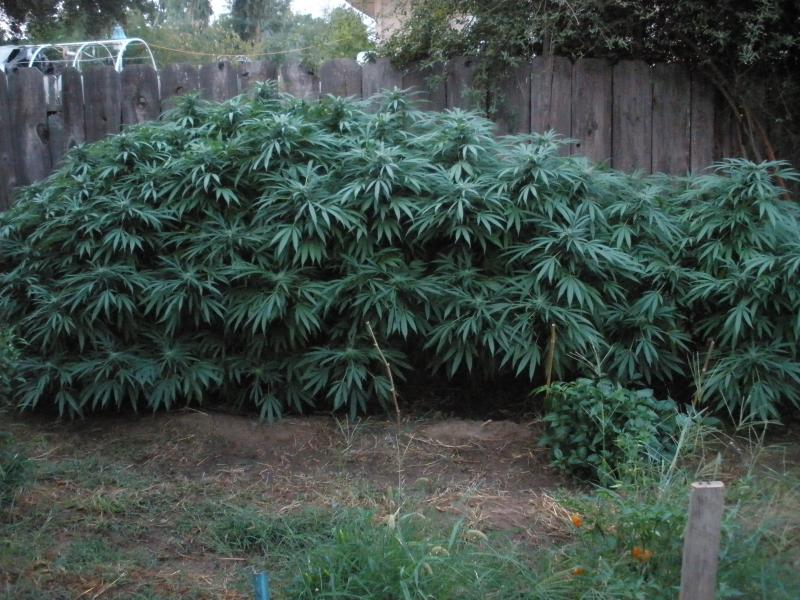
{"points": [[491, 473]]}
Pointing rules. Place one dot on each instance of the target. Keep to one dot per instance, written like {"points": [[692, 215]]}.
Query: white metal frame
{"points": [[73, 52]]}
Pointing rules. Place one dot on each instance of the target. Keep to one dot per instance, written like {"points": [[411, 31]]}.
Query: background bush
{"points": [[599, 429], [235, 252]]}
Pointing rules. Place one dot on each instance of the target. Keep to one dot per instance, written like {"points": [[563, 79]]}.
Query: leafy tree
{"points": [[339, 34], [253, 18], [92, 18], [192, 14], [751, 50]]}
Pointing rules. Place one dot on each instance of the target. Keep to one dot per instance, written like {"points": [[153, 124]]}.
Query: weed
{"points": [[238, 250]]}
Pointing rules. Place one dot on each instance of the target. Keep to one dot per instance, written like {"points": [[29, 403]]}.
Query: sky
{"points": [[316, 8]]}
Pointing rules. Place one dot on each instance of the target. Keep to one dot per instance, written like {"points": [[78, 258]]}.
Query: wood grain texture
{"points": [[592, 108], [177, 80], [140, 97], [298, 80], [218, 81], [341, 77], [256, 72], [551, 96], [378, 76], [8, 178], [632, 133], [28, 119], [102, 102], [72, 108], [460, 85], [428, 87], [671, 119], [702, 122], [701, 541], [56, 144], [511, 106]]}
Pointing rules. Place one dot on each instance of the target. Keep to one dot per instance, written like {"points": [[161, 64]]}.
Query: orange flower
{"points": [[578, 571], [576, 519], [641, 554]]}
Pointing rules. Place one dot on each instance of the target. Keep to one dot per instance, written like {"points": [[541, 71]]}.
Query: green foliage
{"points": [[630, 543], [750, 51], [410, 557], [14, 469], [599, 429], [247, 531], [236, 252]]}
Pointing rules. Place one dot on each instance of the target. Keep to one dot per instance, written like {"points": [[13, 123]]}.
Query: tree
{"points": [[751, 50], [194, 14], [93, 18], [252, 18], [339, 34]]}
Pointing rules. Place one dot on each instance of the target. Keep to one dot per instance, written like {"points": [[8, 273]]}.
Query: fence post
{"points": [[7, 176], [701, 541]]}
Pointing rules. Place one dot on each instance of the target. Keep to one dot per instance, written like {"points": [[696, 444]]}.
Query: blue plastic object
{"points": [[261, 585]]}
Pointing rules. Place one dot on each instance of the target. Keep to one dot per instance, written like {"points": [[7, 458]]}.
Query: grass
{"points": [[112, 522]]}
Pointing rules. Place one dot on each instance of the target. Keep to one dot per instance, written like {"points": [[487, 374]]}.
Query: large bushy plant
{"points": [[235, 252]]}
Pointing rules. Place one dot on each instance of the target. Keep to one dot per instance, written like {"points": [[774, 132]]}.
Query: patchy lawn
{"points": [[147, 508], [187, 505]]}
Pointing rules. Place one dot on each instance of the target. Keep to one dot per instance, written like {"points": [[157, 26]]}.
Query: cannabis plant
{"points": [[235, 252]]}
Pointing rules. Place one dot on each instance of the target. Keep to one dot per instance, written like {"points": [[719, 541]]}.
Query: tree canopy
{"points": [[751, 50]]}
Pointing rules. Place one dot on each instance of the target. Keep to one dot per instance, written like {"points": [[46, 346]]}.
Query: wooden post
{"points": [[8, 178], [701, 541]]}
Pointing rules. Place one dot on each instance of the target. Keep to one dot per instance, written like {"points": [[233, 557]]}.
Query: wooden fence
{"points": [[630, 115]]}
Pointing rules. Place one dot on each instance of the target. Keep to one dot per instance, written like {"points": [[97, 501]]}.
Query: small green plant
{"points": [[14, 469], [601, 430]]}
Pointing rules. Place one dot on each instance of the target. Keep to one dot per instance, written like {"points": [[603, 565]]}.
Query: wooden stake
{"points": [[701, 541], [551, 353]]}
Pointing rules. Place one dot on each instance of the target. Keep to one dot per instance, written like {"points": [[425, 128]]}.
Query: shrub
{"points": [[236, 251], [599, 429]]}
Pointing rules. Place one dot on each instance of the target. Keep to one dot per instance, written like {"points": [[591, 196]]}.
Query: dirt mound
{"points": [[462, 432]]}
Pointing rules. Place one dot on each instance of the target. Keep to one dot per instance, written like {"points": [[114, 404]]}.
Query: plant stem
{"points": [[398, 420]]}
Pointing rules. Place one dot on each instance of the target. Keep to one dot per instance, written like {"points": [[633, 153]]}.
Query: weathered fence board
{"points": [[512, 108], [101, 101], [254, 72], [660, 119], [671, 119], [341, 77], [702, 123], [378, 76], [592, 108], [55, 138], [72, 108], [28, 114], [298, 80], [460, 82], [218, 81], [177, 80], [632, 136], [140, 98], [7, 176], [551, 96], [428, 87]]}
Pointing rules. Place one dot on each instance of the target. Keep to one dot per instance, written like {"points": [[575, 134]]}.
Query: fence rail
{"points": [[631, 115]]}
